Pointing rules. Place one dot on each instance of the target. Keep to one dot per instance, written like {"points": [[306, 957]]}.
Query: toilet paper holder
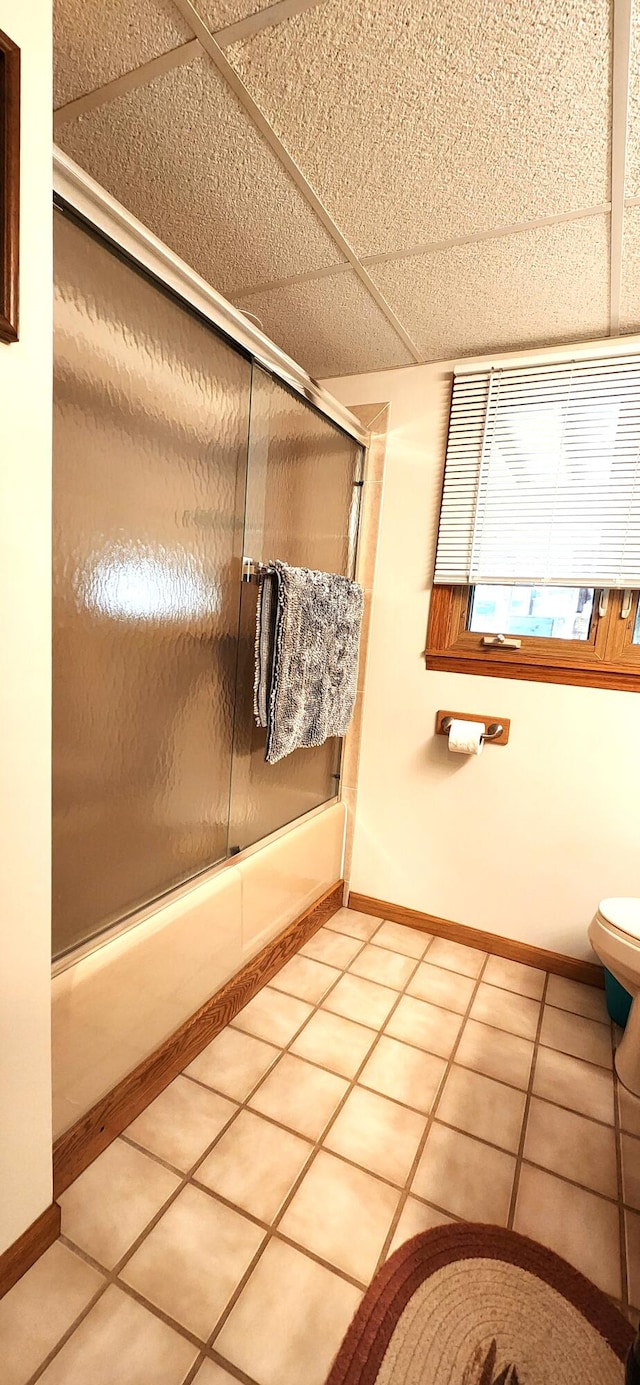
{"points": [[496, 731]]}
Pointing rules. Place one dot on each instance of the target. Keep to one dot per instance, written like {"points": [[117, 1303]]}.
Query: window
{"points": [[538, 558]]}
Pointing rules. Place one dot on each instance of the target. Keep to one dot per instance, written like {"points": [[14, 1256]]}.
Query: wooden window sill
{"points": [[603, 676]]}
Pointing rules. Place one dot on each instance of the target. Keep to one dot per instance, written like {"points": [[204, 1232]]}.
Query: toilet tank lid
{"points": [[623, 913]]}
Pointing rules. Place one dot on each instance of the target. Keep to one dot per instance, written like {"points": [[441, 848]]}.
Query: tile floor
{"points": [[384, 1082]]}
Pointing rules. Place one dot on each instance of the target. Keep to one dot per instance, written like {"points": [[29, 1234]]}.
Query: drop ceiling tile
{"points": [[538, 287], [332, 325], [632, 187], [219, 13], [418, 122], [630, 300], [181, 154], [94, 42]]}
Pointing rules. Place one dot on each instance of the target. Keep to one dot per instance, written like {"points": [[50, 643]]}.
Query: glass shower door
{"points": [[151, 422], [302, 507]]}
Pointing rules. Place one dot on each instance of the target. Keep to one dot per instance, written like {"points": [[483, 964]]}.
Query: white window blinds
{"points": [[542, 476]]}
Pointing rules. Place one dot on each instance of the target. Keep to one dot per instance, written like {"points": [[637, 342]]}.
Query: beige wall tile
{"points": [[233, 1063], [181, 1122], [300, 1096], [482, 1107], [109, 1205], [357, 1211], [254, 1165], [377, 1134], [175, 1269], [289, 1320], [41, 1307], [465, 1177], [120, 1330], [369, 530], [577, 1224]]}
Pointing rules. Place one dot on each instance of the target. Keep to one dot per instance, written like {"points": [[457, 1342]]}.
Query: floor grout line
{"points": [[271, 1229]]}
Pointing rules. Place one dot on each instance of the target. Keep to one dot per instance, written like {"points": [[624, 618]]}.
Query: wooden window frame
{"points": [[607, 659]]}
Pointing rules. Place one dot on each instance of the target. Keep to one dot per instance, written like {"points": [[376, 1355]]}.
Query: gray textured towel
{"points": [[307, 638]]}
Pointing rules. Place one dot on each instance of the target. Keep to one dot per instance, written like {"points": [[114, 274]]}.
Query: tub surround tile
{"points": [[334, 1042], [457, 957], [572, 1146], [255, 1165], [465, 1177], [580, 1226], [182, 1122], [482, 1107], [363, 1001], [397, 937], [448, 989], [305, 978], [580, 1037], [377, 1134], [289, 1320], [571, 1082], [424, 1025], [120, 1329], [355, 924], [112, 1202], [192, 1260], [495, 1053], [404, 1073], [41, 1307], [233, 1063], [273, 1016], [514, 976], [357, 1211], [300, 1096], [506, 1010]]}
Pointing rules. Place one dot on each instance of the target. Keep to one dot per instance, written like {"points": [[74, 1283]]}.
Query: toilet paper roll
{"points": [[465, 737]]}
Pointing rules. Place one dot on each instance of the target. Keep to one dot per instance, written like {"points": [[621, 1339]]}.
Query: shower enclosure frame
{"points": [[75, 191]]}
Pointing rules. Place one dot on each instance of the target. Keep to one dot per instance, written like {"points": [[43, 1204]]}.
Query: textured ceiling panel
{"points": [[181, 154], [418, 121], [633, 138], [630, 302], [331, 325], [543, 286], [96, 41], [218, 13]]}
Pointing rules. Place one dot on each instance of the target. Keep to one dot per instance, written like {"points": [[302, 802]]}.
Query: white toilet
{"points": [[614, 934]]}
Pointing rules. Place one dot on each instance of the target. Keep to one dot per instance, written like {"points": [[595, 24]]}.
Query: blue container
{"points": [[618, 1000]]}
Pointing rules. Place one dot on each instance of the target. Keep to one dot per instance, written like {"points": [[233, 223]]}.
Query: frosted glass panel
{"points": [[150, 447], [301, 508]]}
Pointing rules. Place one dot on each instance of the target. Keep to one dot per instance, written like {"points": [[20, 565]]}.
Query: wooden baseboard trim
{"points": [[19, 1257], [84, 1141], [589, 972]]}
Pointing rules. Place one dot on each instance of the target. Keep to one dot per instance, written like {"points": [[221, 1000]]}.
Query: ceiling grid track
{"points": [[622, 18], [243, 95]]}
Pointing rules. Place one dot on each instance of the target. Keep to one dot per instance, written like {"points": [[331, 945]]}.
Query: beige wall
{"points": [[25, 692], [522, 841]]}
